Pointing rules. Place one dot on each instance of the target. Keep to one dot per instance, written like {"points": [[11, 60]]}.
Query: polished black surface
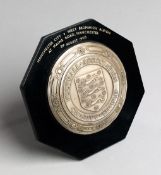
{"points": [[34, 91]]}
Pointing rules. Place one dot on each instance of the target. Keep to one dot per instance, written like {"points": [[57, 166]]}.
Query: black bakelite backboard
{"points": [[34, 89]]}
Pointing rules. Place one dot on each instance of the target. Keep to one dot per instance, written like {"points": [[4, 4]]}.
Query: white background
{"points": [[22, 23]]}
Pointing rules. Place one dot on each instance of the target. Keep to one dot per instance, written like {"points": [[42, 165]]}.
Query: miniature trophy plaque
{"points": [[82, 88]]}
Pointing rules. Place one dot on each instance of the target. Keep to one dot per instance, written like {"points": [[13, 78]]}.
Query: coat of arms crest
{"points": [[92, 90]]}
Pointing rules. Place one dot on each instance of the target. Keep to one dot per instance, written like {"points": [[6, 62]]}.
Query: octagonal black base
{"points": [[34, 85]]}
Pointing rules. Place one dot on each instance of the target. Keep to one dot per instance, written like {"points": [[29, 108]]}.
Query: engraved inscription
{"points": [[72, 36]]}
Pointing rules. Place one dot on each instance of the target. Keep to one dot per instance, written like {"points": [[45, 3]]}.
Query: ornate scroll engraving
{"points": [[87, 88]]}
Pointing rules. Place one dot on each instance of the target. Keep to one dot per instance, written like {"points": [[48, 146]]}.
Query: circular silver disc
{"points": [[87, 88]]}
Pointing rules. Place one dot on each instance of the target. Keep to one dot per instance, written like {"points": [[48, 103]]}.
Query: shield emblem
{"points": [[92, 90]]}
